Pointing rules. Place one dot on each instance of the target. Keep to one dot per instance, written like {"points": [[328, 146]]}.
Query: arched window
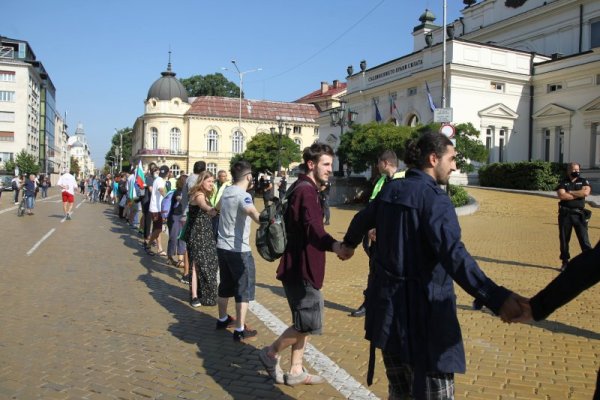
{"points": [[413, 120], [298, 141], [212, 141], [237, 143], [175, 140], [175, 170], [212, 167], [154, 138]]}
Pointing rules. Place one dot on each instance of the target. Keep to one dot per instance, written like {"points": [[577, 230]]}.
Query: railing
{"points": [[166, 152]]}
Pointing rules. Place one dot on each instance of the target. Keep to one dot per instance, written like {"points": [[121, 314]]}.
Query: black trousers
{"points": [[569, 220], [147, 220]]}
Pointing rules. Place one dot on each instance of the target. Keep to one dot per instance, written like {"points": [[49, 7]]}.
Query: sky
{"points": [[103, 56]]}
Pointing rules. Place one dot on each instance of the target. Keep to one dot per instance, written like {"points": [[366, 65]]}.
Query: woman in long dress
{"points": [[200, 241]]}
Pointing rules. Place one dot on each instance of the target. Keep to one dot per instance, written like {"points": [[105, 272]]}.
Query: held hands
{"points": [[212, 212], [372, 234], [343, 251], [516, 309]]}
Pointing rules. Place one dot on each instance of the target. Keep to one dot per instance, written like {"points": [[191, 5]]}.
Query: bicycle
{"points": [[22, 204]]}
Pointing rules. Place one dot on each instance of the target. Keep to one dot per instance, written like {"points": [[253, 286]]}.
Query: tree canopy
{"points": [[262, 149], [75, 168], [210, 85], [114, 148], [26, 163]]}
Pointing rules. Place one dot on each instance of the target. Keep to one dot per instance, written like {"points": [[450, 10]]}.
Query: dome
{"points": [[167, 87], [427, 16]]}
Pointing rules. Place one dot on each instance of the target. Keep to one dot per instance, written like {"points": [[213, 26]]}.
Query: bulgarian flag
{"points": [[140, 178]]}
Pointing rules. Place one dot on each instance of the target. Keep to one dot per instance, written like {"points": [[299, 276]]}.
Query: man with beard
{"points": [[302, 267], [411, 312]]}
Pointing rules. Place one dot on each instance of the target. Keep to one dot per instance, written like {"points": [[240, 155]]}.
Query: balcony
{"points": [[162, 152]]}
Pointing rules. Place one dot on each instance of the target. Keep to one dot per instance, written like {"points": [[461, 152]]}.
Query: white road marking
{"points": [[337, 377], [35, 246]]}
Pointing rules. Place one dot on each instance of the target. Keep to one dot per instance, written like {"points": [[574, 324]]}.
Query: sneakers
{"points": [[563, 266], [68, 217], [271, 365], [303, 378], [185, 279], [228, 323], [243, 335], [195, 302]]}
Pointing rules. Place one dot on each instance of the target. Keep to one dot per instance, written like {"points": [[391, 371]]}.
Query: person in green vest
{"points": [[387, 164], [220, 184]]}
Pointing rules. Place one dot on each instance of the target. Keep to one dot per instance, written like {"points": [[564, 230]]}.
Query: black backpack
{"points": [[271, 236]]}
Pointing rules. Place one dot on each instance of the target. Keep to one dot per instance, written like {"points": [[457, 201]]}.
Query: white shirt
{"points": [[67, 183], [157, 197]]}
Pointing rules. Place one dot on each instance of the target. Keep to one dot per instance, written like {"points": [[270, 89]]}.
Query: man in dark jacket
{"points": [[581, 273], [411, 312], [302, 268]]}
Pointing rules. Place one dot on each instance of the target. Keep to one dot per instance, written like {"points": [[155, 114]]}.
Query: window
{"points": [[7, 76], [175, 140], [489, 143], [554, 87], [237, 143], [7, 116], [411, 91], [212, 167], [7, 136], [501, 143], [316, 132], [595, 34], [4, 157], [497, 86], [7, 96], [297, 129], [153, 138], [176, 171], [212, 141], [298, 141], [547, 145]]}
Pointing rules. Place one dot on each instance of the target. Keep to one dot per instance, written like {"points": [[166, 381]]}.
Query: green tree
{"points": [[114, 148], [26, 163], [75, 168], [361, 146], [210, 85], [262, 151]]}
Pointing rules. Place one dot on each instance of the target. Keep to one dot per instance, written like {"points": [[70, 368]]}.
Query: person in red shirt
{"points": [[302, 267]]}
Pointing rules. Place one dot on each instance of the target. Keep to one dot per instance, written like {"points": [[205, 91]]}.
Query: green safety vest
{"points": [[382, 180], [217, 194]]}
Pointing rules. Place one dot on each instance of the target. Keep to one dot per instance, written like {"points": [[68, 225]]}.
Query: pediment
{"points": [[552, 111], [591, 107], [498, 111]]}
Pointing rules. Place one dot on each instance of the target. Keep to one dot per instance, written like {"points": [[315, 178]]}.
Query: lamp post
{"points": [[120, 149], [279, 134], [342, 117], [241, 77], [112, 164]]}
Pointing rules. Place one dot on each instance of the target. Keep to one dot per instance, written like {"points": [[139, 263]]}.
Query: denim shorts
{"points": [[238, 275], [30, 203], [306, 304]]}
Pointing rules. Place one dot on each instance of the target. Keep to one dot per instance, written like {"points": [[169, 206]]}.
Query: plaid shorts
{"points": [[438, 385]]}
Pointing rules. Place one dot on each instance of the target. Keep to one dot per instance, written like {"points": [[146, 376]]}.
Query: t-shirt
{"points": [[234, 223], [157, 197], [189, 184], [572, 186], [67, 183]]}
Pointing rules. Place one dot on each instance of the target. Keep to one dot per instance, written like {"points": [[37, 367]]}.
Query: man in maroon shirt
{"points": [[302, 267]]}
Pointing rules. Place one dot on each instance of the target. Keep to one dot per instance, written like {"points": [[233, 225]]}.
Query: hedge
{"points": [[525, 175], [458, 195]]}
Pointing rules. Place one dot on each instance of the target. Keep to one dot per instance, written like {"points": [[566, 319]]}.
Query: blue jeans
{"points": [[29, 200]]}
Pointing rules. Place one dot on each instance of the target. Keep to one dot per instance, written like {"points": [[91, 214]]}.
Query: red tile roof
{"points": [[213, 106], [318, 94]]}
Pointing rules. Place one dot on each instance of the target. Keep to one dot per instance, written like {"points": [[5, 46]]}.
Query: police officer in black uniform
{"points": [[571, 211]]}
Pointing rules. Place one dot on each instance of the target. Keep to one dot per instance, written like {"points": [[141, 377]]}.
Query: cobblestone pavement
{"points": [[88, 315]]}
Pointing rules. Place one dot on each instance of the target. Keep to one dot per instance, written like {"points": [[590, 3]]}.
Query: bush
{"points": [[458, 195], [525, 175]]}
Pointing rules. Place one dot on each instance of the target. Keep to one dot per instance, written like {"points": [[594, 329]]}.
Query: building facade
{"points": [[524, 73], [79, 149], [178, 131]]}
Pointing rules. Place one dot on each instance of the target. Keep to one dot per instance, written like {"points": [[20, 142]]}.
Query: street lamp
{"points": [[112, 164], [279, 134], [241, 77], [120, 149], [342, 117]]}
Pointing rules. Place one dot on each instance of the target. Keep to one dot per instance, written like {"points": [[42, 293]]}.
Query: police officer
{"points": [[572, 214], [387, 164]]}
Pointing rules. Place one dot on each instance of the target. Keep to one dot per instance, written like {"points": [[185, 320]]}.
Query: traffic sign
{"points": [[448, 130], [442, 115]]}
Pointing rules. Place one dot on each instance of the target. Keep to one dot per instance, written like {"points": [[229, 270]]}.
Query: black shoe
{"points": [[228, 323], [359, 312], [195, 302], [564, 266], [185, 279], [243, 335]]}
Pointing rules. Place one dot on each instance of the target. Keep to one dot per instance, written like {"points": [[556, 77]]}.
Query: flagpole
{"points": [[444, 58]]}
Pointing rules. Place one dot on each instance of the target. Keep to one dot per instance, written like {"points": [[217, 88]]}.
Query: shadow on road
{"points": [[514, 263], [277, 290]]}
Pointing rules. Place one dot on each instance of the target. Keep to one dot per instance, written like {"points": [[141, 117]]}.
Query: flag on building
{"points": [[429, 98], [377, 113], [393, 110]]}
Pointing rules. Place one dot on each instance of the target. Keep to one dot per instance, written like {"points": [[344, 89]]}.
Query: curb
{"points": [[593, 203], [470, 208]]}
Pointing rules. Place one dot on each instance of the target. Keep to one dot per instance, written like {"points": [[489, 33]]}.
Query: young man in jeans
{"points": [[236, 265], [302, 267]]}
